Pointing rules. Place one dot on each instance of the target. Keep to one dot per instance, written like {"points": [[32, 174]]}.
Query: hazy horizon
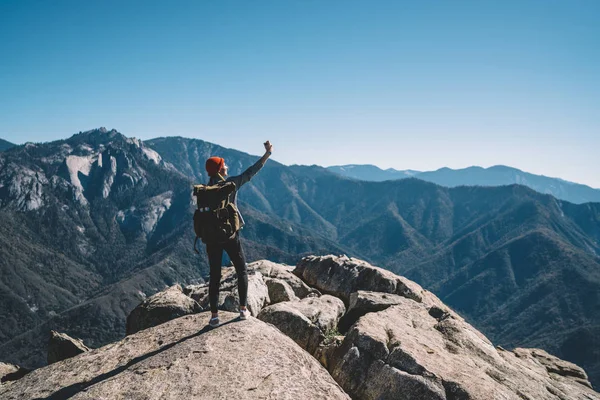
{"points": [[397, 84]]}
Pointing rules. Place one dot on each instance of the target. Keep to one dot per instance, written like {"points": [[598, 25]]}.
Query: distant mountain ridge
{"points": [[477, 176], [5, 145], [368, 172]]}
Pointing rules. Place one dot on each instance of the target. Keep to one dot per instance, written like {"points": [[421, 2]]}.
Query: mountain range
{"points": [[94, 223], [476, 176], [99, 221], [4, 145]]}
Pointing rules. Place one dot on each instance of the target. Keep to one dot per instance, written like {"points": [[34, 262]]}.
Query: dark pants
{"points": [[233, 248]]}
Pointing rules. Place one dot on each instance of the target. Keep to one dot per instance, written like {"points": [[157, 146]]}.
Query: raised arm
{"points": [[251, 171]]}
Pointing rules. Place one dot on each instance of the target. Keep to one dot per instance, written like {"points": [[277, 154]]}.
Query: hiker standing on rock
{"points": [[217, 221]]}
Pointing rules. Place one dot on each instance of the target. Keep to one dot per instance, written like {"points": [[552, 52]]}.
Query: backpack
{"points": [[217, 219]]}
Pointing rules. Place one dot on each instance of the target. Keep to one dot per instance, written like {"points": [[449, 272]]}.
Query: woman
{"points": [[217, 171]]}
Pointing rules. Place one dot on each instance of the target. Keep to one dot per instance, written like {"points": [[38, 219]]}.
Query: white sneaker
{"points": [[244, 314], [214, 322]]}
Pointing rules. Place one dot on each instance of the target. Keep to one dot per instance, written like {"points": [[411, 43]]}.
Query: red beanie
{"points": [[214, 165]]}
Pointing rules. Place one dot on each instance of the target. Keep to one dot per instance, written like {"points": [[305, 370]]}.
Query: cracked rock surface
{"points": [[285, 273], [404, 352], [279, 290], [183, 359], [306, 321], [364, 302], [341, 276], [401, 342]]}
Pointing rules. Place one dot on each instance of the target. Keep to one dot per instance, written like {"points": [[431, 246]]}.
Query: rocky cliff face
{"points": [[340, 328]]}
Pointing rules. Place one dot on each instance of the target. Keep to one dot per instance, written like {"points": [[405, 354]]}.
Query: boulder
{"points": [[62, 346], [185, 359], [10, 372], [363, 302], [279, 290], [258, 293], [221, 305], [556, 367], [341, 276], [307, 321], [284, 272], [199, 292], [160, 308], [405, 352]]}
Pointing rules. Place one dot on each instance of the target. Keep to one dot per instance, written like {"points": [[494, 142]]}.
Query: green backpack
{"points": [[217, 219]]}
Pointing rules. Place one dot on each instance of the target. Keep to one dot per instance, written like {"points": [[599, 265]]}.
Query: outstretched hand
{"points": [[268, 146]]}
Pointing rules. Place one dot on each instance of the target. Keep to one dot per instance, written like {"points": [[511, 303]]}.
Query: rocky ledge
{"points": [[370, 335]]}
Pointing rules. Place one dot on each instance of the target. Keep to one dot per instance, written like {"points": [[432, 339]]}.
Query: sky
{"points": [[403, 84]]}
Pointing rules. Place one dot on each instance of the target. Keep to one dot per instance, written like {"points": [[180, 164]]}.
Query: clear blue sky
{"points": [[403, 84]]}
